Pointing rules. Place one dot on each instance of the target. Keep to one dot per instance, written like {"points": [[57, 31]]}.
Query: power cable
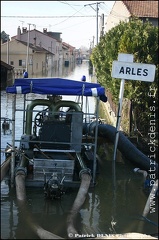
{"points": [[46, 16], [75, 24], [69, 4], [106, 7], [102, 6], [68, 17]]}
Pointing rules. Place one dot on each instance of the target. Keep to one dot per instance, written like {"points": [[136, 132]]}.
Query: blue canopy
{"points": [[57, 86]]}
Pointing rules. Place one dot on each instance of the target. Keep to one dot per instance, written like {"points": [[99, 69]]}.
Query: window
{"points": [[11, 63], [23, 63], [20, 63]]}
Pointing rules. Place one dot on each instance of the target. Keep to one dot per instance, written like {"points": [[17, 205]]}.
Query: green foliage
{"points": [[4, 36], [134, 37]]}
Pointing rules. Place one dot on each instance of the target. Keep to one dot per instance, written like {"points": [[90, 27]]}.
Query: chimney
{"points": [[18, 33], [24, 29], [44, 30]]}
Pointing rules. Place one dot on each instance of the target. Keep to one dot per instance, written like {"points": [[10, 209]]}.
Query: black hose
{"points": [[127, 148]]}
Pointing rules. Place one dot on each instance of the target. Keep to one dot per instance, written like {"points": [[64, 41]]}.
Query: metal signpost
{"points": [[124, 68]]}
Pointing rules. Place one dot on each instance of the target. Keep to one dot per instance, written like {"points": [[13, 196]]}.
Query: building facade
{"points": [[37, 52], [17, 57], [124, 10], [43, 40]]}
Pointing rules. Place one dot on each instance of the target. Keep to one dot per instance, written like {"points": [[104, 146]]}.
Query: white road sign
{"points": [[133, 71]]}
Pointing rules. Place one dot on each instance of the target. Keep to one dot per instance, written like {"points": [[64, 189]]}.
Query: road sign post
{"points": [[121, 94], [124, 68]]}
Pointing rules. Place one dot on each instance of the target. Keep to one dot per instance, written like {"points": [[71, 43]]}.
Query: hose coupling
{"points": [[20, 169], [84, 170]]}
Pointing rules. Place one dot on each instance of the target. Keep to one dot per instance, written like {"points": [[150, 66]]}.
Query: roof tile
{"points": [[142, 8]]}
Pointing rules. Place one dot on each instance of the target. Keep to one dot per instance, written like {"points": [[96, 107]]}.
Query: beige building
{"points": [[124, 10], [16, 52], [44, 40], [47, 53], [68, 52]]}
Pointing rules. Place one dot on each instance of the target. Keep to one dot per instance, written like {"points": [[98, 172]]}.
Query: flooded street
{"points": [[114, 205]]}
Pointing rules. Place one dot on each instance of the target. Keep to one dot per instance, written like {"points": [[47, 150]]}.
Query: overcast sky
{"points": [[76, 20]]}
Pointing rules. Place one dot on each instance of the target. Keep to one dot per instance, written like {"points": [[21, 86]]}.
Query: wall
{"points": [[118, 13], [42, 40], [18, 51]]}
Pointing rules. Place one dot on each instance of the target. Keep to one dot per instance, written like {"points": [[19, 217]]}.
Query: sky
{"points": [[76, 20]]}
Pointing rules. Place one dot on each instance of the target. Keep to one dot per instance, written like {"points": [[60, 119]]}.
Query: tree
{"points": [[4, 37], [134, 37]]}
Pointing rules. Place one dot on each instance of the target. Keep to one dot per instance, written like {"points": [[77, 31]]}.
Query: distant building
{"points": [[55, 35], [7, 75], [68, 52], [49, 41], [124, 10], [44, 40], [43, 52], [37, 59]]}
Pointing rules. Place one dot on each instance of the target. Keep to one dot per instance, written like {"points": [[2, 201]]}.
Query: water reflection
{"points": [[62, 71]]}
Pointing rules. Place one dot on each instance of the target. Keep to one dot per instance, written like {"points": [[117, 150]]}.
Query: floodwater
{"points": [[114, 205]]}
